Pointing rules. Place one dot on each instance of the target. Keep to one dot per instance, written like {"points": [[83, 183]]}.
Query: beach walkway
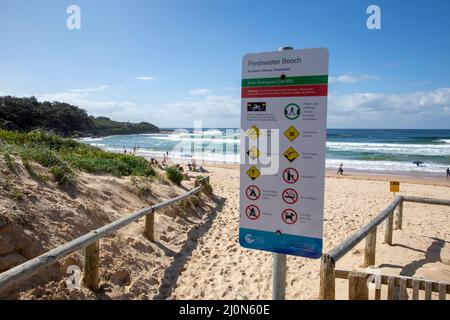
{"points": [[220, 269]]}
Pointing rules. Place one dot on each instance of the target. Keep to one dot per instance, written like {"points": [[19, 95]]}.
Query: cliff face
{"points": [[37, 215], [26, 114]]}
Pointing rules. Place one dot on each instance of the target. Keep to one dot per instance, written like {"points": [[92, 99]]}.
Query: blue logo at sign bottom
{"points": [[281, 243]]}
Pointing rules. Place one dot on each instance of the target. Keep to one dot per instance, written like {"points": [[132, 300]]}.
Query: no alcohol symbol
{"points": [[253, 192], [290, 175], [292, 111], [252, 212]]}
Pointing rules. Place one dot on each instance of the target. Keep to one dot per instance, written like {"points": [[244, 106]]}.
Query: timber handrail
{"points": [[368, 232], [90, 242], [357, 237]]}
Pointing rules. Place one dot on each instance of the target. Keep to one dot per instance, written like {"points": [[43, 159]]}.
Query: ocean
{"points": [[370, 150]]}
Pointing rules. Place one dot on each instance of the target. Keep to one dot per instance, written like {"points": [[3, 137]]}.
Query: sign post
{"points": [[284, 109]]}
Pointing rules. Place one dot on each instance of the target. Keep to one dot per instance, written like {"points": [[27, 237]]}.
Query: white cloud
{"points": [[402, 109], [347, 78], [92, 89], [201, 91], [145, 78]]}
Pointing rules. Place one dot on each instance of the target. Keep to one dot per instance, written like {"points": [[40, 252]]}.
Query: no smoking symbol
{"points": [[290, 196], [289, 216], [290, 175], [253, 192], [252, 212]]}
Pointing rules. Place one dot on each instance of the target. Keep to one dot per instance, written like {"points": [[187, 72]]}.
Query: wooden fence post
{"points": [[388, 229], [370, 249], [150, 227], [357, 286], [327, 278], [91, 265], [399, 216]]}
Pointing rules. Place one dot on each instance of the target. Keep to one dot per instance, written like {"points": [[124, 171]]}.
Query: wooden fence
{"points": [[358, 286], [90, 242], [328, 274]]}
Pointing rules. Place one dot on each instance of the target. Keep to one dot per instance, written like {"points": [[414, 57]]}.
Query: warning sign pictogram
{"points": [[252, 212], [253, 192], [290, 175], [254, 153], [253, 173], [291, 133], [253, 132], [289, 216], [290, 196], [291, 154]]}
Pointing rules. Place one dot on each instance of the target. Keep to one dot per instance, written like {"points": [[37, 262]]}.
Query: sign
{"points": [[291, 133], [253, 192], [290, 196], [290, 175], [283, 113], [253, 173], [394, 186]]}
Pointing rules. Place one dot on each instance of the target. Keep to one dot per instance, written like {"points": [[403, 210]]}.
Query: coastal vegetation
{"points": [[174, 175], [63, 157], [27, 114]]}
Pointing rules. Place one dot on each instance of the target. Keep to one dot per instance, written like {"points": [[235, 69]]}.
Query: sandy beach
{"points": [[197, 254], [220, 269]]}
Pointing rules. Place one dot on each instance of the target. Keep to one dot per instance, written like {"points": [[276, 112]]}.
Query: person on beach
{"points": [[340, 170], [448, 173]]}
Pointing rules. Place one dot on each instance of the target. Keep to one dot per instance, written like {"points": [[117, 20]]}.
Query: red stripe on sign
{"points": [[318, 90]]}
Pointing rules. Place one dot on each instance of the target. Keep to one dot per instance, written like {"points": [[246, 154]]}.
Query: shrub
{"points": [[206, 185], [62, 174], [174, 175]]}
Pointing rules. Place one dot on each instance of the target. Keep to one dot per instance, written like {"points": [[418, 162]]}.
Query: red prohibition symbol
{"points": [[253, 192], [289, 216], [290, 196], [290, 175], [252, 212]]}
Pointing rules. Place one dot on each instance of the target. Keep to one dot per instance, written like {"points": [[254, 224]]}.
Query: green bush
{"points": [[200, 180], [62, 174], [50, 150], [174, 175]]}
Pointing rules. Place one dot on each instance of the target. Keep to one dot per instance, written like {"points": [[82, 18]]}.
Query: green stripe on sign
{"points": [[265, 82]]}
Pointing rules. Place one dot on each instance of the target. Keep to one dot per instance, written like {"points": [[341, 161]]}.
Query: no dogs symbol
{"points": [[289, 216], [253, 192], [252, 212]]}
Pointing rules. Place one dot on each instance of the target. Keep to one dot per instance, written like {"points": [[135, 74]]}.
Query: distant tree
{"points": [[26, 114]]}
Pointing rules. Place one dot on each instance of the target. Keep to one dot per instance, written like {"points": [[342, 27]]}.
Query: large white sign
{"points": [[284, 113]]}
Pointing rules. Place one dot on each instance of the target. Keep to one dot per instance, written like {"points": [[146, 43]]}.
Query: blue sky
{"points": [[174, 62]]}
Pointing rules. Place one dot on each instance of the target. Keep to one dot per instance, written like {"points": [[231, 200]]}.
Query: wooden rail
{"points": [[90, 241], [368, 232], [358, 285]]}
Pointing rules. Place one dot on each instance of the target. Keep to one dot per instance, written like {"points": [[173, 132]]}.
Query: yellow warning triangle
{"points": [[253, 173], [291, 154], [291, 133], [253, 132], [254, 152]]}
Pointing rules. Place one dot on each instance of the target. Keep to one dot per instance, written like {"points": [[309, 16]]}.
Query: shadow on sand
{"points": [[173, 271]]}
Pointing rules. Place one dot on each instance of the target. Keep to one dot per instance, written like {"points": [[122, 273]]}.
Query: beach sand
{"points": [[197, 254], [221, 269]]}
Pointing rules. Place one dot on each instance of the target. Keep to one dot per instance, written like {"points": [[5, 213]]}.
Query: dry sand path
{"points": [[220, 269]]}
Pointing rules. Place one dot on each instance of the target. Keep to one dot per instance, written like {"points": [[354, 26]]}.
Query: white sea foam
{"points": [[391, 148], [382, 166]]}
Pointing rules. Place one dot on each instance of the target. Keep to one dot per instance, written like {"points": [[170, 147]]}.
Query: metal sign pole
{"points": [[279, 259]]}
